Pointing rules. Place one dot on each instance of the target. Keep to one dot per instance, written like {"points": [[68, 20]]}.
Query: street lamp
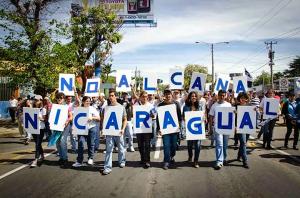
{"points": [[212, 59]]}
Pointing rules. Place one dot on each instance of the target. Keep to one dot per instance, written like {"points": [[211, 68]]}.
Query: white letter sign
{"points": [[168, 120], [246, 120], [195, 126], [58, 117], [66, 84], [142, 121], [112, 123]]}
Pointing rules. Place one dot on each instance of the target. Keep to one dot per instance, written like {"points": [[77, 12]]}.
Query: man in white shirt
{"points": [[13, 103], [221, 140]]}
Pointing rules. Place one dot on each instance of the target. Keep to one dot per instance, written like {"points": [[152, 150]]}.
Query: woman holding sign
{"points": [[93, 118], [192, 104]]}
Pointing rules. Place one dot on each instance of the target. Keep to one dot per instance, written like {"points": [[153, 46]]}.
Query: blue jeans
{"points": [[72, 138], [153, 140], [38, 139], [90, 143], [61, 144], [221, 147], [197, 145], [109, 150], [268, 132], [242, 148], [97, 136], [170, 144], [128, 134]]}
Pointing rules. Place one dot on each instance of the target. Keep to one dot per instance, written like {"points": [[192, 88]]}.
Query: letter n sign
{"points": [[31, 120], [66, 84]]}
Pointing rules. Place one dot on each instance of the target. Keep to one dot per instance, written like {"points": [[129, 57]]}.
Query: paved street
{"points": [[272, 173]]}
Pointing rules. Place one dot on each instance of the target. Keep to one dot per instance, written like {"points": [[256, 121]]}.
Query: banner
{"points": [[150, 83], [239, 85], [58, 117], [168, 120], [271, 108], [176, 78], [80, 121], [142, 121], [225, 120], [222, 83], [66, 84], [112, 123], [92, 87], [246, 119], [198, 81], [31, 121], [123, 79], [195, 125]]}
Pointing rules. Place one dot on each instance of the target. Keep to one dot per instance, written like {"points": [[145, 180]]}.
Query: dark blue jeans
{"points": [[243, 146], [197, 145], [90, 139], [97, 136], [38, 139], [170, 143]]}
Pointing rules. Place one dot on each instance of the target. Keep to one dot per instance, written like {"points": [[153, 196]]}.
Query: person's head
{"points": [[151, 97], [27, 103], [176, 94], [205, 96], [38, 97], [167, 96], [292, 96], [68, 99], [254, 95], [270, 93], [192, 99], [124, 96], [221, 96], [60, 97], [101, 97], [143, 97], [112, 96], [86, 101], [37, 104], [12, 97], [243, 98]]}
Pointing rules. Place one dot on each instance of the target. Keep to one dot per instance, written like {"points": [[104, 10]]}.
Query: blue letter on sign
{"points": [[64, 84], [112, 121], [57, 116], [246, 121], [93, 85], [173, 76], [268, 110], [33, 122], [221, 86], [240, 87], [123, 81], [230, 119], [198, 127], [168, 120], [197, 83], [79, 115], [146, 88], [142, 116]]}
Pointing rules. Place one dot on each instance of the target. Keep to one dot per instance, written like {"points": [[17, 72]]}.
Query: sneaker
{"points": [[147, 165], [64, 164], [225, 163], [196, 165], [122, 165], [245, 165], [286, 146], [34, 163], [131, 149], [166, 166], [238, 159], [295, 148], [60, 161], [218, 166], [90, 162], [106, 172], [190, 160], [77, 164], [172, 160]]}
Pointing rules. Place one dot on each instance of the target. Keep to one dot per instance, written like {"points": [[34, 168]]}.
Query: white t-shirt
{"points": [[212, 111], [93, 113], [13, 103]]}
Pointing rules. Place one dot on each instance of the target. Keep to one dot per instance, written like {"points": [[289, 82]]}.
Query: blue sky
{"points": [[245, 24]]}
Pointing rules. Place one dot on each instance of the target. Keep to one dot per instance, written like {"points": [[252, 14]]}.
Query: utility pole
{"points": [[271, 57], [212, 61]]}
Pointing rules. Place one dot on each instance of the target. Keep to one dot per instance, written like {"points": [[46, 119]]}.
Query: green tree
{"points": [[188, 71], [278, 75], [294, 68], [263, 78]]}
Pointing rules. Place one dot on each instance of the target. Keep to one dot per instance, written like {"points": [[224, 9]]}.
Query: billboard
{"points": [[131, 11]]}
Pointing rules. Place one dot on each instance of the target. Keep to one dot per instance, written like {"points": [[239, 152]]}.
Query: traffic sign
{"points": [[284, 84]]}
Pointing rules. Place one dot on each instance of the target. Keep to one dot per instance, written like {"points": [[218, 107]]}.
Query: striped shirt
{"points": [[255, 102]]}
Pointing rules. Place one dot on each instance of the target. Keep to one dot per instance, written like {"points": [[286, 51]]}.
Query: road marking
{"points": [[21, 167], [157, 150]]}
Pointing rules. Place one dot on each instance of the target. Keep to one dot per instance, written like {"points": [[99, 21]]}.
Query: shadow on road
{"points": [[283, 158]]}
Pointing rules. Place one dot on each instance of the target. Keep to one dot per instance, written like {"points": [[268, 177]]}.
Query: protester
{"points": [[93, 118], [13, 103], [192, 104], [221, 140], [118, 139], [71, 105], [38, 138], [28, 136], [169, 140]]}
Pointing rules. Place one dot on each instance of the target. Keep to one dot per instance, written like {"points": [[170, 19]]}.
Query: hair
{"points": [[188, 100], [38, 104], [59, 95], [242, 95], [142, 93], [84, 99], [291, 94], [167, 92], [112, 91], [221, 92]]}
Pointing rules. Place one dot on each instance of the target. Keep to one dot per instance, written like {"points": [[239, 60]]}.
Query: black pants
{"points": [[12, 113], [290, 127], [269, 133], [144, 146], [38, 139]]}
